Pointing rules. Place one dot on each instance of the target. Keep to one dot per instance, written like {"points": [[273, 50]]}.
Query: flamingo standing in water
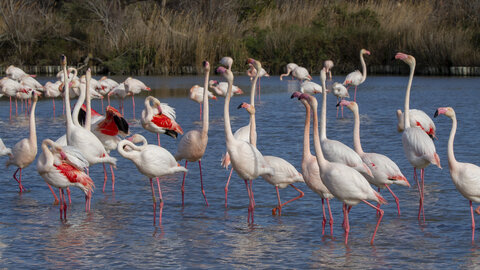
{"points": [[340, 92], [10, 88], [345, 183], [193, 144], [301, 74], [196, 94], [53, 90], [133, 87], [310, 88], [465, 176], [245, 133], [120, 92], [417, 118], [356, 78], [310, 170], [59, 171], [160, 119], [25, 151], [220, 88], [418, 147], [385, 171], [152, 161], [290, 68], [252, 73], [246, 160]]}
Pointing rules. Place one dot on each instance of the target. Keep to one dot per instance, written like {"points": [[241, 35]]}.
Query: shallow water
{"points": [[119, 231]]}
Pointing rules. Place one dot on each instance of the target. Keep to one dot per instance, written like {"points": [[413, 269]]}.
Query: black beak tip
{"points": [[436, 114], [338, 104], [293, 95], [240, 106]]}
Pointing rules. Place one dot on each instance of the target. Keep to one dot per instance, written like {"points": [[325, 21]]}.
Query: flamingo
{"points": [[134, 86], [310, 88], [29, 82], [301, 74], [385, 171], [252, 72], [57, 170], [340, 92], [243, 133], [71, 71], [16, 73], [246, 160], [152, 161], [464, 175], [227, 62], [220, 88], [193, 144], [418, 147], [328, 64], [417, 118], [290, 68], [336, 151], [120, 92], [356, 78], [160, 119], [10, 88], [310, 170], [25, 151], [106, 85], [96, 89], [25, 94], [53, 90], [4, 150], [285, 174], [196, 94], [344, 182]]}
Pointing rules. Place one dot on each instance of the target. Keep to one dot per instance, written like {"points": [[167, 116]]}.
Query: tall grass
{"points": [[151, 38]]}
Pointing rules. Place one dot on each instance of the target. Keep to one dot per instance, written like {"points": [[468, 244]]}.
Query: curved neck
{"points": [[286, 74], [356, 133], [306, 133], [205, 105], [88, 117], [46, 151], [253, 88], [323, 127], [148, 107], [78, 105], [128, 154], [406, 111], [364, 68], [450, 154], [316, 140], [226, 113], [33, 131]]}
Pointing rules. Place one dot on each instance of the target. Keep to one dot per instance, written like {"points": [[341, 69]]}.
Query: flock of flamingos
{"points": [[334, 171]]}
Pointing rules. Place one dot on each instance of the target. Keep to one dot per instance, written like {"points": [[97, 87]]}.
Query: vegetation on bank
{"points": [[159, 37]]}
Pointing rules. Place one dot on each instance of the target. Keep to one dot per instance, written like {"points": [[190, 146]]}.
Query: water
{"points": [[119, 230]]}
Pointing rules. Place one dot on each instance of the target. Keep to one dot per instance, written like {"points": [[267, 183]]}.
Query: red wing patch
{"points": [[164, 122], [108, 127], [94, 113], [75, 176]]}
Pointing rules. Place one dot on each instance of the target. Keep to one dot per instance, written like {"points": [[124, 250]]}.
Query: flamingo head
{"points": [[250, 108], [226, 73], [296, 94], [206, 65], [363, 51], [63, 156], [212, 83], [63, 60], [352, 105], [447, 111], [410, 60], [256, 64], [194, 87], [238, 91]]}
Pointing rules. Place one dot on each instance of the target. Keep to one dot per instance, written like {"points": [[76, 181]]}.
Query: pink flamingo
{"points": [[464, 175], [290, 68], [133, 87], [53, 90], [196, 94], [193, 144], [152, 161], [385, 171], [120, 92], [417, 118], [220, 88], [59, 171], [356, 78], [10, 88], [16, 73], [328, 65], [252, 73], [345, 183], [418, 147], [246, 160], [160, 119], [311, 171]]}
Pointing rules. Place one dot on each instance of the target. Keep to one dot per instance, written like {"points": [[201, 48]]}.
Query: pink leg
{"points": [[161, 201], [355, 95], [342, 110], [201, 182], [296, 198], [473, 223], [104, 177], [19, 181], [253, 198], [53, 101], [422, 175], [200, 111], [154, 202], [379, 219], [378, 204], [183, 183], [54, 195], [226, 186], [396, 199], [113, 178], [331, 217], [64, 205], [10, 108], [419, 191], [133, 105], [324, 219], [69, 198], [279, 206], [347, 224], [61, 202], [158, 138], [249, 200]]}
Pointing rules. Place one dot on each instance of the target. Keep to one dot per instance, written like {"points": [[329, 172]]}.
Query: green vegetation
{"points": [[159, 37]]}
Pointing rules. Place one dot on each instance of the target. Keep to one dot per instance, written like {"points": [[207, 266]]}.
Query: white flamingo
{"points": [[196, 94], [341, 92], [133, 87], [417, 118], [160, 119], [356, 78], [290, 68]]}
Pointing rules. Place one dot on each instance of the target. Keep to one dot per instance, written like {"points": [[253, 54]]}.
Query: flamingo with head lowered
{"points": [[290, 68], [160, 119]]}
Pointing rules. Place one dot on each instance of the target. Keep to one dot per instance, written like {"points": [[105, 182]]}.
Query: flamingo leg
{"points": [[355, 95], [64, 205], [113, 178], [104, 177], [19, 181], [154, 202], [296, 198], [473, 223], [378, 204], [324, 219], [249, 201], [54, 195], [279, 207], [397, 201], [379, 219], [419, 191], [331, 217], [253, 198], [53, 101], [347, 223], [200, 111], [61, 202], [69, 198], [226, 186], [10, 108], [161, 202], [422, 176], [342, 110], [158, 138], [201, 182], [133, 104], [183, 183]]}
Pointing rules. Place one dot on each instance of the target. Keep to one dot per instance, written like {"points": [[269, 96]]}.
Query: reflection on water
{"points": [[118, 232]]}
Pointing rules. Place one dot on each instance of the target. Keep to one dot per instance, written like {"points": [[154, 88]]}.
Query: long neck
{"points": [[226, 113], [78, 105], [253, 127], [451, 156], [323, 127], [88, 117], [47, 153], [364, 68], [253, 88], [316, 140], [406, 111], [68, 109], [306, 133], [33, 131], [356, 133], [205, 106], [148, 107], [128, 154]]}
